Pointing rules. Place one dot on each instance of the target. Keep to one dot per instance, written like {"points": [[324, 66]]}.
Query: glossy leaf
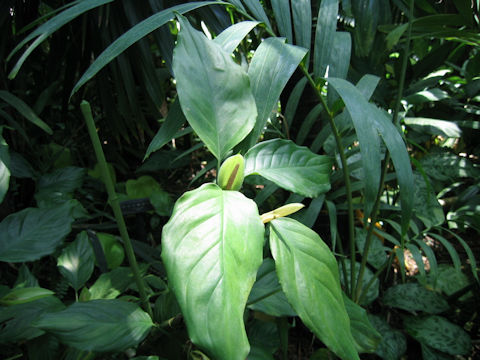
{"points": [[324, 36], [133, 35], [438, 333], [281, 10], [16, 320], [229, 38], [393, 344], [367, 137], [25, 110], [32, 233], [366, 336], [308, 273], [270, 69], [211, 249], [414, 297], [290, 166], [24, 295], [111, 284], [267, 295], [76, 261], [98, 325], [4, 167], [213, 90], [400, 158]]}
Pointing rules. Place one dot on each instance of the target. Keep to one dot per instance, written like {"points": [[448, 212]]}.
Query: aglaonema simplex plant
{"points": [[213, 244]]}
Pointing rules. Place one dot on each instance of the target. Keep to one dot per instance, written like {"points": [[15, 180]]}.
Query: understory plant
{"points": [[313, 177]]}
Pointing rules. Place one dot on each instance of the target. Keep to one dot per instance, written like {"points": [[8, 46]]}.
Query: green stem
{"points": [[376, 206], [114, 203], [346, 175]]}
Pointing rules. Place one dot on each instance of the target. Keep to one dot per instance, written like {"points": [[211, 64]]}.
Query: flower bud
{"points": [[282, 211], [230, 175]]}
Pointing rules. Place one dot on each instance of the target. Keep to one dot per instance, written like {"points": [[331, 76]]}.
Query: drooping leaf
{"points": [[414, 297], [267, 295], [393, 344], [131, 36], [367, 137], [367, 338], [98, 325], [211, 249], [438, 333], [308, 273], [270, 69], [324, 36], [4, 167], [229, 38], [213, 90], [76, 261], [24, 295], [46, 29], [290, 166], [16, 320], [32, 233], [25, 110]]}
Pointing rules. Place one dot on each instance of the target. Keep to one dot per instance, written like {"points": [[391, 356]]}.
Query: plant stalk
{"points": [[376, 206], [346, 177], [114, 203]]}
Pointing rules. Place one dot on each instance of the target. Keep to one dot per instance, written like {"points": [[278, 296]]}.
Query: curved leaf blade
{"points": [[271, 67], [32, 233], [212, 248], [213, 90], [24, 295], [229, 38], [290, 166], [25, 110], [308, 273], [98, 325], [76, 261], [367, 137], [130, 37]]}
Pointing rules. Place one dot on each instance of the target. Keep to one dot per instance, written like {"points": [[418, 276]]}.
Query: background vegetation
{"points": [[412, 64]]}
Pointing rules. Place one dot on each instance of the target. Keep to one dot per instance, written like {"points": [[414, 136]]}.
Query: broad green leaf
{"points": [[281, 10], [76, 261], [366, 336], [438, 333], [211, 249], [229, 38], [400, 158], [213, 90], [426, 206], [393, 344], [302, 23], [98, 325], [414, 297], [60, 183], [434, 126], [264, 339], [173, 122], [32, 233], [112, 249], [112, 284], [142, 187], [267, 295], [131, 36], [4, 167], [367, 135], [256, 9], [25, 110], [372, 291], [270, 69], [324, 36], [290, 166], [308, 273], [16, 320], [24, 295]]}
